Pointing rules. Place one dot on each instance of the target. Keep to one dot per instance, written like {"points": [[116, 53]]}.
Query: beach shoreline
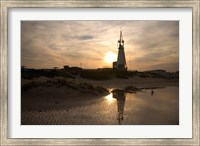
{"points": [[58, 95], [45, 99]]}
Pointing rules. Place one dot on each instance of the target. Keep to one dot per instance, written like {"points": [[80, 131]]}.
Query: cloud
{"points": [[85, 37], [56, 43]]}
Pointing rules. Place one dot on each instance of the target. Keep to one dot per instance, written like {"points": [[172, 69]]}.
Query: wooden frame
{"points": [[6, 4]]}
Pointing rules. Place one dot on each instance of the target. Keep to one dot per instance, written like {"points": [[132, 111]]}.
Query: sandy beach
{"points": [[50, 101], [134, 81], [116, 82]]}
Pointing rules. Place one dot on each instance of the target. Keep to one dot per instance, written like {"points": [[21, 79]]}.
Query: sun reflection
{"points": [[109, 97]]}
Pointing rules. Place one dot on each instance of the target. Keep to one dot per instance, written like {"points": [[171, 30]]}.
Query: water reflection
{"points": [[152, 92], [162, 108], [109, 98], [151, 107], [120, 95]]}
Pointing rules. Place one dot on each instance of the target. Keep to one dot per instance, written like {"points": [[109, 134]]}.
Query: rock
{"points": [[131, 88]]}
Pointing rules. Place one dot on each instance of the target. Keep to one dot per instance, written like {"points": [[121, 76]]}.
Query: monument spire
{"points": [[121, 60]]}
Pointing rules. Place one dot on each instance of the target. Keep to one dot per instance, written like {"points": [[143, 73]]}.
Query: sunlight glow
{"points": [[110, 57], [109, 98]]}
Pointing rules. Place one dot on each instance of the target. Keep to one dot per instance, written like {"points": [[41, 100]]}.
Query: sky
{"points": [[149, 45]]}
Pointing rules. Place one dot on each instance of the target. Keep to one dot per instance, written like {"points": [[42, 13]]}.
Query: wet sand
{"points": [[60, 105]]}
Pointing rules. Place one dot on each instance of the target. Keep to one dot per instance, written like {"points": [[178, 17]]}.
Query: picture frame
{"points": [[4, 91]]}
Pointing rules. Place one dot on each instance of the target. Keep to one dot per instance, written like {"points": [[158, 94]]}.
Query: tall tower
{"points": [[121, 60]]}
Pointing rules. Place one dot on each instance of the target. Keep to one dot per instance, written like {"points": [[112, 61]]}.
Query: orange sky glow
{"points": [[149, 45]]}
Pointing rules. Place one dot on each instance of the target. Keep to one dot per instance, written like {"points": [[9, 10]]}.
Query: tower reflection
{"points": [[120, 95]]}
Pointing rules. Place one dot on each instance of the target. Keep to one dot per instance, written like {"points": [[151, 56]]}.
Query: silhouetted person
{"points": [[152, 92], [120, 95]]}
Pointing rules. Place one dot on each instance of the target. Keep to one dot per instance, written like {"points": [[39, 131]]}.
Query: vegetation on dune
{"points": [[158, 74], [51, 73], [133, 89], [105, 74], [78, 87], [95, 74], [129, 89]]}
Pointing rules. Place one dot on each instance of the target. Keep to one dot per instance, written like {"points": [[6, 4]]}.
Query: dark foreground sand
{"points": [[47, 103]]}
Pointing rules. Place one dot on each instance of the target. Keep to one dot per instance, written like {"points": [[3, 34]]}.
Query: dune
{"points": [[133, 81], [55, 97], [45, 93]]}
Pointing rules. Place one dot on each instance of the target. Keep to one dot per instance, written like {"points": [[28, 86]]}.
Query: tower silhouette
{"points": [[121, 60]]}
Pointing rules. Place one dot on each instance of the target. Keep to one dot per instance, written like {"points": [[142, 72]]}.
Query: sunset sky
{"points": [[93, 44]]}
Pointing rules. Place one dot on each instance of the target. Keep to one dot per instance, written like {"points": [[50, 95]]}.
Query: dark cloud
{"points": [[85, 37]]}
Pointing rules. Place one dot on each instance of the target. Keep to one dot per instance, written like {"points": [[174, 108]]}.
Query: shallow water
{"points": [[141, 108]]}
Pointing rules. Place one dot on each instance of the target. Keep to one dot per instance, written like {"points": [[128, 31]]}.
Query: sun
{"points": [[110, 57]]}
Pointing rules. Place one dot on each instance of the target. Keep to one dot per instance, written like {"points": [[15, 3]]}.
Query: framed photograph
{"points": [[100, 72]]}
